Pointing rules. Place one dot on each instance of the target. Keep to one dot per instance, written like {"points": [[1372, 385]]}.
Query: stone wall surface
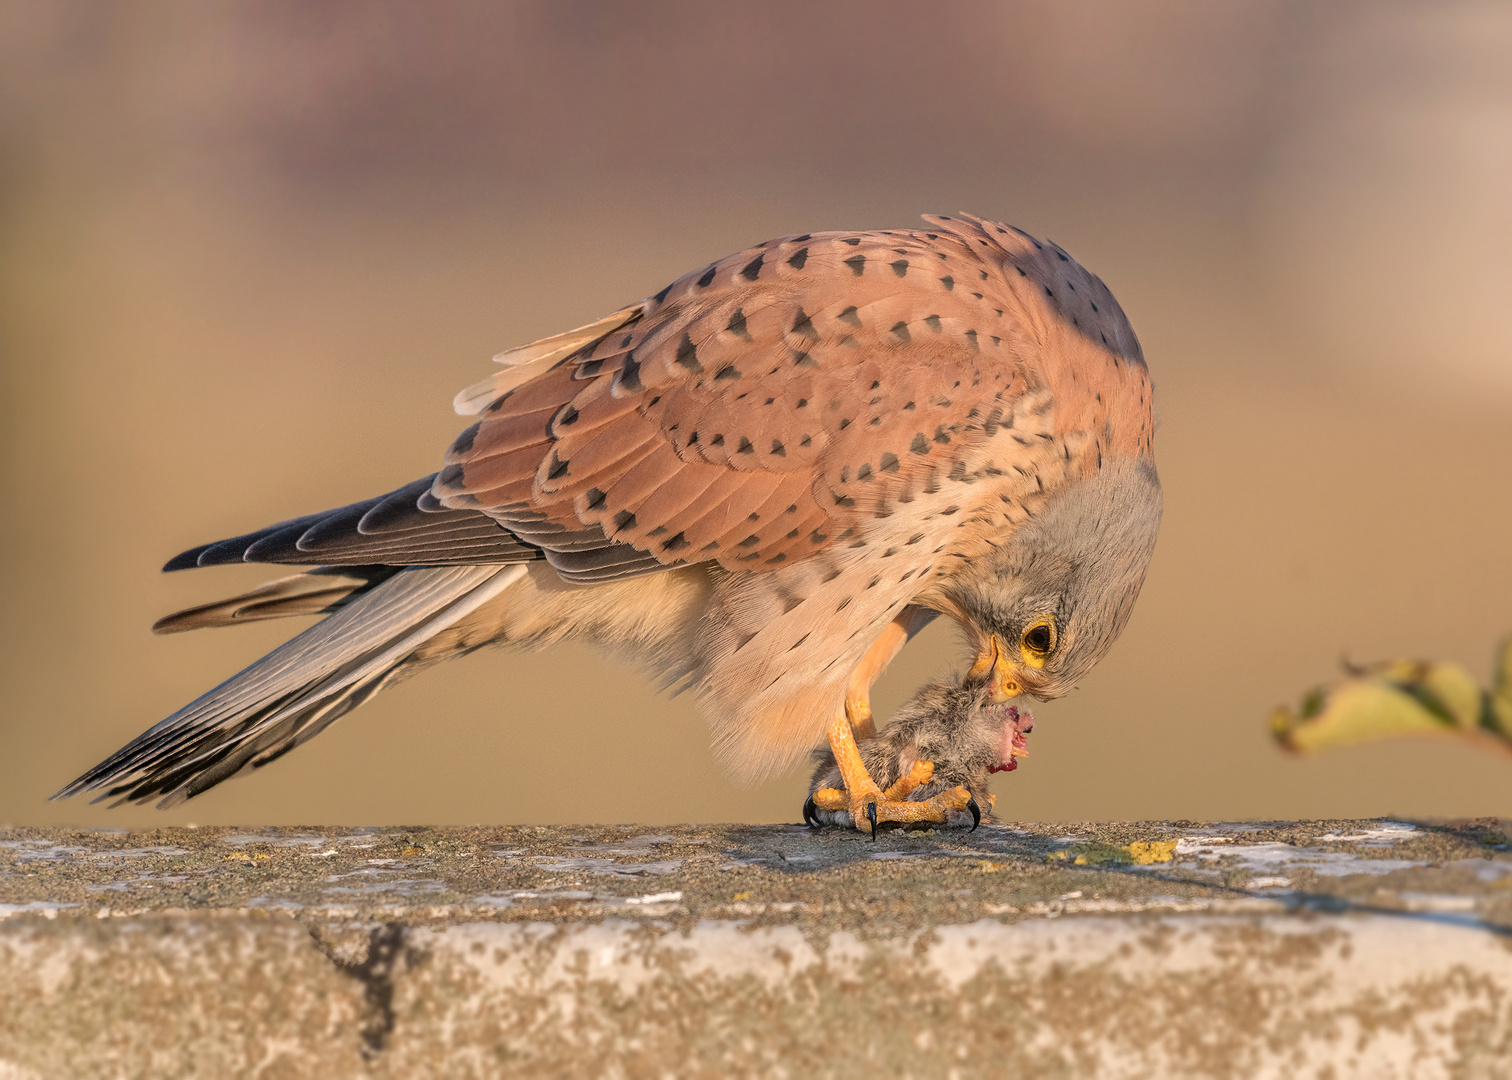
{"points": [[1331, 949]]}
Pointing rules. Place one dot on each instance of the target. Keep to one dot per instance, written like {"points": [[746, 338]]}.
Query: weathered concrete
{"points": [[1371, 949]]}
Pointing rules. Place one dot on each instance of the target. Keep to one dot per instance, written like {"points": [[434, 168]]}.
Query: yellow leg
{"points": [[867, 804], [921, 773], [889, 643]]}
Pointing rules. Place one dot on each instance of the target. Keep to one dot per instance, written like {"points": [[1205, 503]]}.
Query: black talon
{"points": [[810, 815], [976, 814], [871, 815]]}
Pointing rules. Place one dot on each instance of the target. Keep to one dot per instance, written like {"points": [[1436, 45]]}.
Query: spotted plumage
{"points": [[745, 478]]}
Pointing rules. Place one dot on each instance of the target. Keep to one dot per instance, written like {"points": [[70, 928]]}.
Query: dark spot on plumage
{"points": [[744, 641], [737, 324], [997, 340], [558, 468], [847, 341], [910, 406], [851, 240], [793, 535], [773, 561], [873, 583], [729, 371], [790, 602], [752, 269], [717, 440], [958, 471], [845, 474], [1103, 336], [847, 534], [748, 558], [778, 448], [889, 553], [464, 441], [1061, 257], [833, 572], [450, 477], [625, 341], [804, 326], [946, 513], [983, 274], [708, 277], [842, 605], [818, 537], [659, 297], [745, 446], [687, 355], [677, 543], [941, 435], [1094, 307], [629, 375], [801, 239], [805, 441], [803, 359], [845, 423], [857, 263], [750, 541], [590, 369], [802, 403], [693, 438], [1047, 291], [900, 267], [875, 421], [948, 282], [769, 400], [792, 508], [710, 546], [864, 473], [849, 316], [889, 463], [624, 520], [594, 498], [900, 331], [799, 258], [845, 500], [656, 531], [933, 322], [920, 444], [753, 516], [1020, 269]]}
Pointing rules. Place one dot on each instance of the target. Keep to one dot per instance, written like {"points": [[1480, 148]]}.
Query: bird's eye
{"points": [[1037, 642]]}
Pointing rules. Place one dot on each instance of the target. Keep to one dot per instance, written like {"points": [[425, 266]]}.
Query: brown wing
{"points": [[758, 410]]}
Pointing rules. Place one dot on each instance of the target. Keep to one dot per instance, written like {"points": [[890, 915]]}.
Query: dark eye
{"points": [[1038, 638]]}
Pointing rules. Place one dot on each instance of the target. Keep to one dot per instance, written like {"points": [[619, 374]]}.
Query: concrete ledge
{"points": [[1372, 949]]}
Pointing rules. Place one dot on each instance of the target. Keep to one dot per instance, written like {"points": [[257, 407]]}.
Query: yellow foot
{"points": [[870, 808]]}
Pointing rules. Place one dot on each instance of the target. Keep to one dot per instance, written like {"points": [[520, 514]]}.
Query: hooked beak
{"points": [[993, 664]]}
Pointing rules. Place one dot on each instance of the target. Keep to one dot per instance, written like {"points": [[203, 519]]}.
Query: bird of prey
{"points": [[760, 482], [936, 751]]}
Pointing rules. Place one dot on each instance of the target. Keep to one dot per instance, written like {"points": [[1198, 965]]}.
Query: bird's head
{"points": [[1051, 599]]}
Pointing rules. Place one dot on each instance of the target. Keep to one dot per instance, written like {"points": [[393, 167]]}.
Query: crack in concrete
{"points": [[386, 955]]}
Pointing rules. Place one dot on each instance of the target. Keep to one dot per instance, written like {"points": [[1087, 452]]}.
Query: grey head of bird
{"points": [[1045, 604]]}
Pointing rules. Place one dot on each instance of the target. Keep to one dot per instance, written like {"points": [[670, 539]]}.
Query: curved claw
{"points": [[976, 813], [871, 815], [810, 815]]}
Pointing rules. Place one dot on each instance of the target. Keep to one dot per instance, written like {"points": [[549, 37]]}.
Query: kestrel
{"points": [[760, 482]]}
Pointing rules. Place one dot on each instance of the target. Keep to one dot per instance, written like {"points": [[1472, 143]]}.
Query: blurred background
{"points": [[248, 252]]}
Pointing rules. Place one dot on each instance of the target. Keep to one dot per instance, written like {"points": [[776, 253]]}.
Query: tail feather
{"points": [[297, 690], [315, 592]]}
